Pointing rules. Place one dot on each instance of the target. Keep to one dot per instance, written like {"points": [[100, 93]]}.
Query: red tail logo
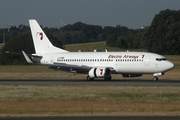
{"points": [[40, 35]]}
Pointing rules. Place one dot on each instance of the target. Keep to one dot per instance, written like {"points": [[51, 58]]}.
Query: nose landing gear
{"points": [[155, 78]]}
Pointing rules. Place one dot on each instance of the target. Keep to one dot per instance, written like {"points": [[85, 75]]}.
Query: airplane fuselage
{"points": [[121, 62]]}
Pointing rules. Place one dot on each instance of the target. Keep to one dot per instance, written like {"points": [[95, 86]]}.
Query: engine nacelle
{"points": [[131, 75], [99, 72]]}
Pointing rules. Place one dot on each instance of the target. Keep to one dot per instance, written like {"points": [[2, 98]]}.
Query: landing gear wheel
{"points": [[108, 78], [155, 78], [89, 79]]}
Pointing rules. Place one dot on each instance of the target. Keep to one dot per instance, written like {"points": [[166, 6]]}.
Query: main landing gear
{"points": [[89, 79], [105, 78]]}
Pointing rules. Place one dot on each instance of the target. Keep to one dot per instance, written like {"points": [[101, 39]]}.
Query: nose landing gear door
{"points": [[147, 60]]}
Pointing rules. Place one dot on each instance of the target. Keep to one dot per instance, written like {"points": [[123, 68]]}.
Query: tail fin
{"points": [[40, 40]]}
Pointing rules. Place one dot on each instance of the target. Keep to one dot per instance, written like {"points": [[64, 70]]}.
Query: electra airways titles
{"points": [[95, 64]]}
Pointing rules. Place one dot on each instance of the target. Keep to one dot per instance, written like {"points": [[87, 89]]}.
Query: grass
{"points": [[96, 45], [88, 100], [95, 93]]}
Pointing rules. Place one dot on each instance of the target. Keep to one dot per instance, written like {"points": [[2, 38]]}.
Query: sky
{"points": [[49, 13]]}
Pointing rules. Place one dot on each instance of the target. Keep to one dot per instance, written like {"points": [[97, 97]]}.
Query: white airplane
{"points": [[95, 64]]}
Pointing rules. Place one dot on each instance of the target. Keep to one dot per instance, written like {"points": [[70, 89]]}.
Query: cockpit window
{"points": [[164, 59], [161, 59]]}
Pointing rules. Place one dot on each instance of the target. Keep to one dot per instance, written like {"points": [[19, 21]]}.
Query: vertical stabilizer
{"points": [[41, 41]]}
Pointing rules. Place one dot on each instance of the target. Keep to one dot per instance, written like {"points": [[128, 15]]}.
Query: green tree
{"points": [[121, 42], [163, 35], [111, 40], [18, 43]]}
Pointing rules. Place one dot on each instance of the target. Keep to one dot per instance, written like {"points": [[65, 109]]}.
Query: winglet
{"points": [[27, 58]]}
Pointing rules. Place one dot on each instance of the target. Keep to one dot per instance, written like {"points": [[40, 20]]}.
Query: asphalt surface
{"points": [[173, 83]]}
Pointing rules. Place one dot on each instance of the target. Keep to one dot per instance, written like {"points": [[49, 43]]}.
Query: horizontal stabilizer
{"points": [[27, 58]]}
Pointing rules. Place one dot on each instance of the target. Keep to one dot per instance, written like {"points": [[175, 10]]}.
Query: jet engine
{"points": [[100, 73]]}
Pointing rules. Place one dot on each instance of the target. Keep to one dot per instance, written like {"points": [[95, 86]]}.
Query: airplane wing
{"points": [[77, 68], [70, 67]]}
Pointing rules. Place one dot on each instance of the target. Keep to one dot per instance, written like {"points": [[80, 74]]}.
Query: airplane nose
{"points": [[170, 65]]}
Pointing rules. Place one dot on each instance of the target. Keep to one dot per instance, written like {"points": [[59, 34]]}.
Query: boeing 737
{"points": [[95, 64]]}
